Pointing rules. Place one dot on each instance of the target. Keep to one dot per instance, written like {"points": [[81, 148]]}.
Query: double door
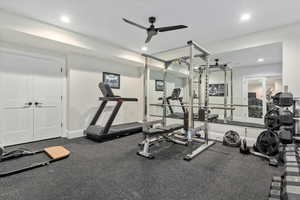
{"points": [[30, 98]]}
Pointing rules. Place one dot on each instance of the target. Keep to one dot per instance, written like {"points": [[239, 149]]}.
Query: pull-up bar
{"points": [[154, 58], [199, 48]]}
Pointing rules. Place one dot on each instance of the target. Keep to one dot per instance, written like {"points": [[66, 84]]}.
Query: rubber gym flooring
{"points": [[113, 171]]}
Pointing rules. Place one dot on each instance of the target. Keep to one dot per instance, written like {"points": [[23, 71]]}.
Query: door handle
{"points": [[28, 104], [38, 103]]}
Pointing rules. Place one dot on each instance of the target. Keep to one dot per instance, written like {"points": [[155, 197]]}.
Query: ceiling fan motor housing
{"points": [[152, 19]]}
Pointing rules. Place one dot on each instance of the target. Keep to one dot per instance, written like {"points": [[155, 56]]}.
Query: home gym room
{"points": [[149, 100]]}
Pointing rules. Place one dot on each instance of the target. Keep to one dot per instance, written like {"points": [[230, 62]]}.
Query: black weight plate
{"points": [[232, 138], [268, 143]]}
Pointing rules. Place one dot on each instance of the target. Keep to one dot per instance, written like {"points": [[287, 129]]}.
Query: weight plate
{"points": [[232, 138], [268, 143]]}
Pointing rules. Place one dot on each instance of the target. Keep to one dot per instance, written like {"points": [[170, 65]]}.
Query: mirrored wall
{"points": [[243, 80], [253, 76]]}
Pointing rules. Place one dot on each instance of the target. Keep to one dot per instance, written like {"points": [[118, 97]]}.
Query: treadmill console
{"points": [[176, 93], [106, 90]]}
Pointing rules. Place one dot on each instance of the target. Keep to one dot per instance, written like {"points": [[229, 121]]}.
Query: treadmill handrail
{"points": [[117, 99]]}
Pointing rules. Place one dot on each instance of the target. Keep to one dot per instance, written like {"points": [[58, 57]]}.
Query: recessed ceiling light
{"points": [[65, 19], [245, 17], [144, 48], [260, 60]]}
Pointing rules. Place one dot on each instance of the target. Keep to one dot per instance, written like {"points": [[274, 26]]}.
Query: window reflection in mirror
{"points": [[255, 98]]}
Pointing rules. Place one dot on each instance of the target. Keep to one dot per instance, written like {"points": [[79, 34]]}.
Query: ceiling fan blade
{"points": [[170, 28], [149, 37], [134, 24]]}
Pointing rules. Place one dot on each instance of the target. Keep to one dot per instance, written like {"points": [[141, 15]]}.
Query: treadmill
{"points": [[100, 133], [175, 96]]}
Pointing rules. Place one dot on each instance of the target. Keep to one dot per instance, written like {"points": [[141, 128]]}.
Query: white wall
{"points": [[277, 86]]}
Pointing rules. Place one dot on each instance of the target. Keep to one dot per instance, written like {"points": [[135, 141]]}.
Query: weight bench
{"points": [[156, 134], [171, 128]]}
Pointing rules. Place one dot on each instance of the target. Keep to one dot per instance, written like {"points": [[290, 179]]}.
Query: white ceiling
{"points": [[271, 54], [208, 20]]}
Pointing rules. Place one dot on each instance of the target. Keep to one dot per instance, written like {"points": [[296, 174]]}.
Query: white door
{"points": [[47, 98], [25, 80], [16, 93]]}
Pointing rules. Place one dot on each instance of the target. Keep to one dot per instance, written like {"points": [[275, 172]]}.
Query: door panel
{"points": [[17, 125], [47, 99], [47, 122], [15, 92]]}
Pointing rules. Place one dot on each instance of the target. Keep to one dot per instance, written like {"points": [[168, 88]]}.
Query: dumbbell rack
{"points": [[287, 187], [296, 111]]}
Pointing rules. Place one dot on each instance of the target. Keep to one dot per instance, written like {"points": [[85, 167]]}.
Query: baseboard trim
{"points": [[74, 133]]}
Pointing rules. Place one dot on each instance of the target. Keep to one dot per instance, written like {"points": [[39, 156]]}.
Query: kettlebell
{"points": [[244, 149]]}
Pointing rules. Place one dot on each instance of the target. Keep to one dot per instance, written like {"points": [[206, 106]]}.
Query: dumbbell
{"points": [[275, 188], [292, 164], [275, 194], [291, 187], [292, 192], [1, 150], [290, 147], [292, 180], [292, 171]]}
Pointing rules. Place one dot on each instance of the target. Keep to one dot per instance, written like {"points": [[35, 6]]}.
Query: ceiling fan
{"points": [[231, 63], [217, 64], [152, 31]]}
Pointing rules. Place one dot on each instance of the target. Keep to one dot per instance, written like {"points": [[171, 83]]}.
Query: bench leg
{"points": [[146, 149], [199, 150]]}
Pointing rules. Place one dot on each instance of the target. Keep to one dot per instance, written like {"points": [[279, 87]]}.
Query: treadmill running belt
{"points": [[128, 127], [114, 132]]}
